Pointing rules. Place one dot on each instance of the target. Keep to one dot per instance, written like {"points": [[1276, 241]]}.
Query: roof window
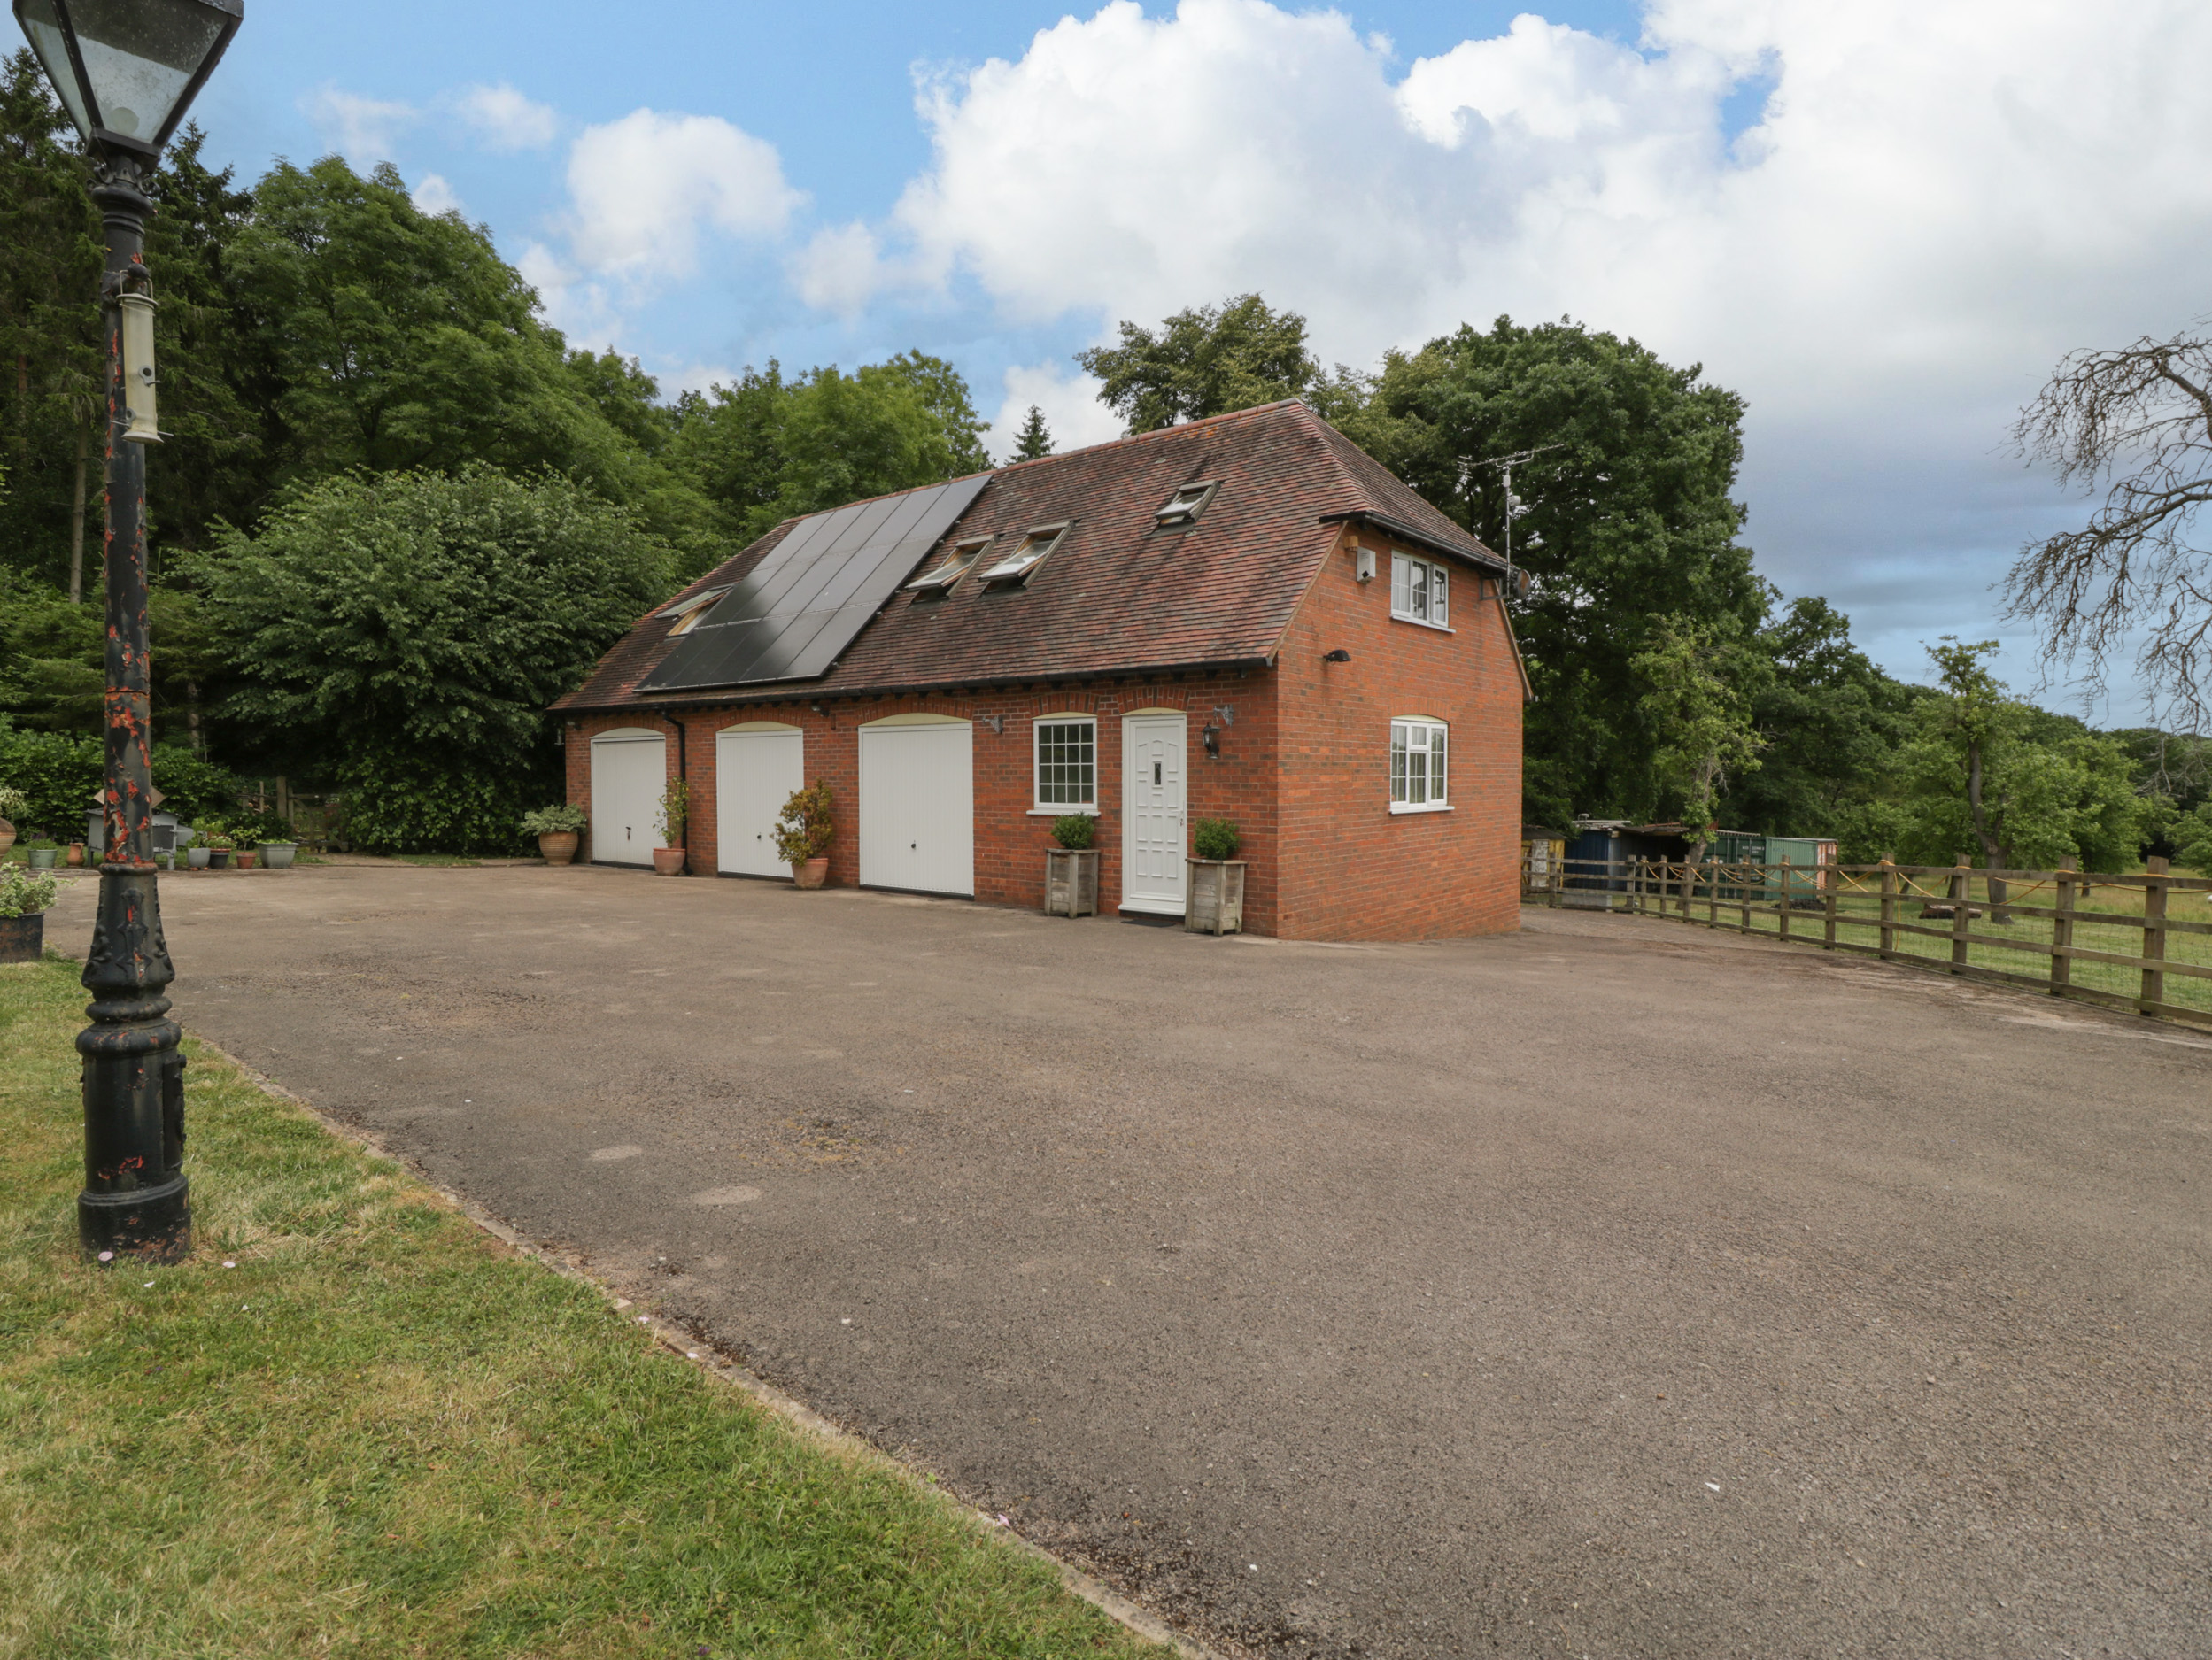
{"points": [[688, 611], [951, 569], [1036, 544], [1184, 507]]}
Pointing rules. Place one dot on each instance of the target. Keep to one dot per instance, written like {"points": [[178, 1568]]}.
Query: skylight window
{"points": [[1184, 507], [949, 570], [688, 611], [1035, 545]]}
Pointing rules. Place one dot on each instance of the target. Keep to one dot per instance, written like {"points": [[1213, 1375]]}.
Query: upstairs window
{"points": [[1419, 591], [1184, 507], [952, 567], [1067, 761], [688, 611], [1034, 547], [1417, 765]]}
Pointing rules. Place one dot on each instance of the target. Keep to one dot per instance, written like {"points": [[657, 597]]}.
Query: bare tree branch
{"points": [[2138, 420]]}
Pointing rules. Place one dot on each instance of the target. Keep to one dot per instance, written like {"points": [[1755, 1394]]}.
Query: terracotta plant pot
{"points": [[668, 862], [559, 848], [7, 836], [76, 853], [813, 874], [245, 858], [22, 938]]}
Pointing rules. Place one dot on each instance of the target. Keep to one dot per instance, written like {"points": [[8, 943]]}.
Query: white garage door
{"points": [[630, 770], [917, 811], [758, 767]]}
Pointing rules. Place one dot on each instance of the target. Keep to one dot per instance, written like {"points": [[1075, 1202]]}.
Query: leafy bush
{"points": [[454, 808], [554, 821], [805, 829], [1214, 838], [24, 893], [1075, 830], [59, 780]]}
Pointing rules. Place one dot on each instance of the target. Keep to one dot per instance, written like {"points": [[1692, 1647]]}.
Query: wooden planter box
{"points": [[1216, 896], [1071, 882]]}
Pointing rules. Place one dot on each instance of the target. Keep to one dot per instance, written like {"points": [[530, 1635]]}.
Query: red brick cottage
{"points": [[1244, 618]]}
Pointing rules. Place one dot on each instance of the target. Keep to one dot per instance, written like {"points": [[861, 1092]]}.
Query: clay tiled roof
{"points": [[1118, 595]]}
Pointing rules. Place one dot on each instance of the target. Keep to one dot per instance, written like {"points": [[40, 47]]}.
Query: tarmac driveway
{"points": [[1609, 1289]]}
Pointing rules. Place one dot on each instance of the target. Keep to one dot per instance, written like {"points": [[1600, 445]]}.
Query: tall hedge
{"points": [[62, 777]]}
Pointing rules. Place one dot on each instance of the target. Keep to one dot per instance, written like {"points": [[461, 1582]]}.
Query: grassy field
{"points": [[381, 1434], [1860, 911]]}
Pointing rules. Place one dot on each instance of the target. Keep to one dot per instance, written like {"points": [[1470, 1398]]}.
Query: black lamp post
{"points": [[126, 70]]}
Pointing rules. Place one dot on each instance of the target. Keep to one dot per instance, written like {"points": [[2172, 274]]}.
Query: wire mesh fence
{"points": [[2141, 942]]}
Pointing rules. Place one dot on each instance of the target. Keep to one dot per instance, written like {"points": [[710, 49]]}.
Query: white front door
{"points": [[1152, 832], [757, 768], [630, 772], [917, 807]]}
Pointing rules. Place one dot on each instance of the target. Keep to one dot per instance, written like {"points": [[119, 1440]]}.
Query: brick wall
{"points": [[1352, 868], [1010, 840]]}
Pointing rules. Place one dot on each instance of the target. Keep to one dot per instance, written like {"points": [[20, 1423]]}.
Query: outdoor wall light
{"points": [[1226, 713], [1339, 655], [1211, 735]]}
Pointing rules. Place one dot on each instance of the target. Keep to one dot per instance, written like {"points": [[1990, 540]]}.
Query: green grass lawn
{"points": [[383, 1433]]}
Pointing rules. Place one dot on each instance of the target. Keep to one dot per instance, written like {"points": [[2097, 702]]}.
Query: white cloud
{"points": [[570, 300], [433, 195], [840, 269], [363, 130], [505, 119], [642, 189], [1069, 400], [1937, 202]]}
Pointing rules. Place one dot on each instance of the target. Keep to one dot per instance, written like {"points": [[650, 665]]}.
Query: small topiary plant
{"points": [[1075, 830], [676, 808], [1214, 838], [554, 821], [805, 829]]}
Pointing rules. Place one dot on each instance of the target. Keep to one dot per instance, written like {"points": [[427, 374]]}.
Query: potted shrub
{"points": [[24, 896], [279, 855], [1217, 879], [558, 829], [216, 834], [676, 805], [241, 859], [1071, 868], [803, 834], [196, 851], [13, 804], [40, 853]]}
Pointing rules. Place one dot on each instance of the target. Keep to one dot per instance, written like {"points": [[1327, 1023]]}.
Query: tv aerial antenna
{"points": [[1507, 463]]}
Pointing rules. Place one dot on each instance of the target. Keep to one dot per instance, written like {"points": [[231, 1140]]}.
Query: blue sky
{"points": [[1883, 223]]}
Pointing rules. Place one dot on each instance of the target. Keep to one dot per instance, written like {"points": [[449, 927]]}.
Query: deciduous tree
{"points": [[1207, 360]]}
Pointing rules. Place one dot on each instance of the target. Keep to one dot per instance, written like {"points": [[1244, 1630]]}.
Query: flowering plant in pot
{"points": [[13, 804], [25, 895], [558, 829], [676, 808], [803, 834]]}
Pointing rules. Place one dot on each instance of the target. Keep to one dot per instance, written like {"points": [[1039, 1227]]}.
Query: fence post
{"points": [[1888, 909], [1782, 928], [2153, 937], [1744, 896], [1834, 893], [1961, 885], [1712, 893], [2062, 931]]}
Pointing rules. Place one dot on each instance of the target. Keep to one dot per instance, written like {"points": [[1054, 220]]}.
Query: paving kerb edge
{"points": [[1112, 1603]]}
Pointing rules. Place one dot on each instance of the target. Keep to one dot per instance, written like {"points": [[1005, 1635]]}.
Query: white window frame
{"points": [[685, 614], [1434, 590], [1425, 737], [1035, 547], [947, 572], [1184, 507], [1037, 765]]}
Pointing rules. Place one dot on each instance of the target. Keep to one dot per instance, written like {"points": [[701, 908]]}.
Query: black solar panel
{"points": [[816, 590]]}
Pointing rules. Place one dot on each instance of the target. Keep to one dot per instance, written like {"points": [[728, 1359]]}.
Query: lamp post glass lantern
{"points": [[126, 70]]}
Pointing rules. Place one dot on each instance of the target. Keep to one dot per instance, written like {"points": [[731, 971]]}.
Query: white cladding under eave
{"points": [[630, 772], [917, 805]]}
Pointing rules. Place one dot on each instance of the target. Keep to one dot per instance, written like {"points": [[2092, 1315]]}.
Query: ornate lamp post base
{"points": [[136, 1200]]}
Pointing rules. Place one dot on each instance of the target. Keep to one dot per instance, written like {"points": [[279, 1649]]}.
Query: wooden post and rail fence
{"points": [[2142, 942]]}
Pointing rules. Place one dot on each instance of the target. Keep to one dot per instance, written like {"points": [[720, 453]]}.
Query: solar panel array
{"points": [[814, 591]]}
